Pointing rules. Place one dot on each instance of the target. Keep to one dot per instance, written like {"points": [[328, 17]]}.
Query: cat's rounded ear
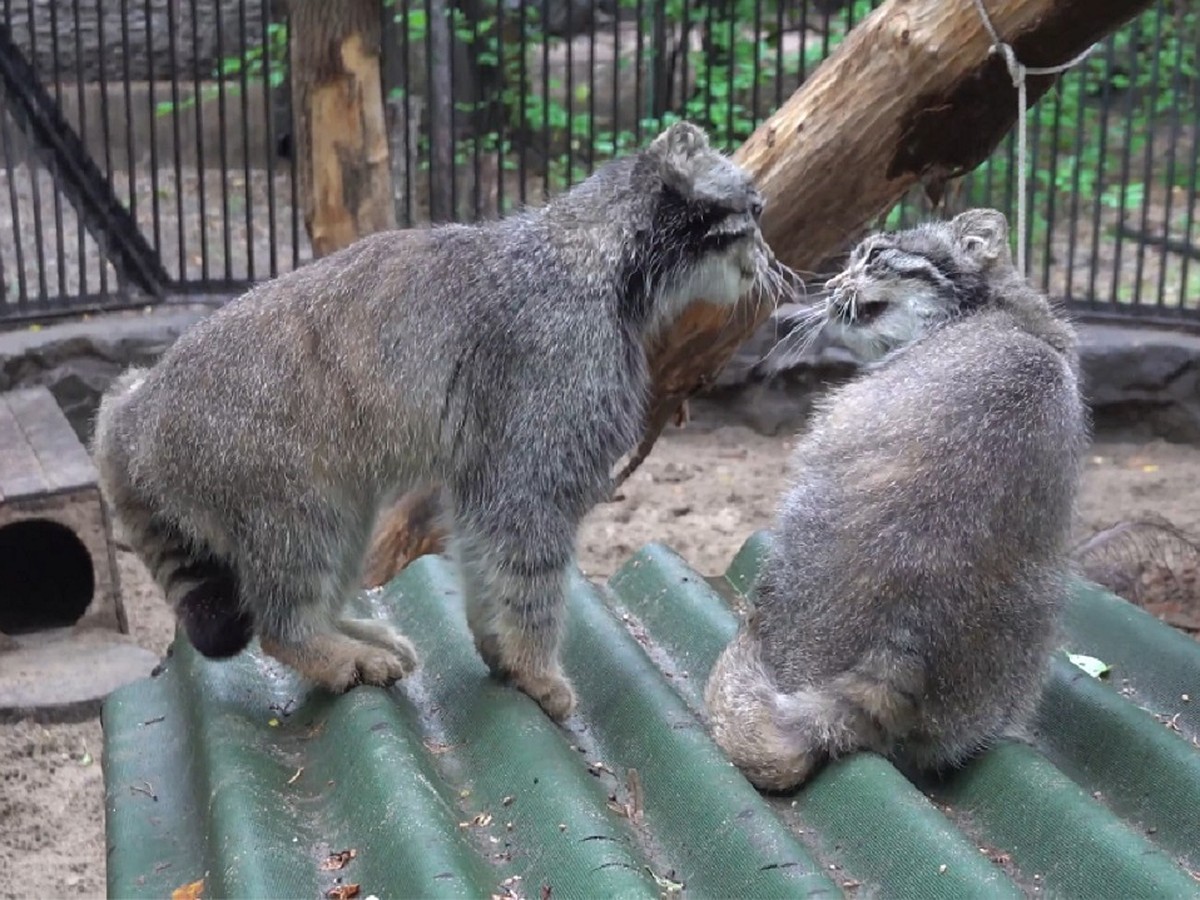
{"points": [[982, 233], [677, 150]]}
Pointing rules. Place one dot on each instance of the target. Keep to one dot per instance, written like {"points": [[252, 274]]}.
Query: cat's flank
{"points": [[919, 561], [503, 360]]}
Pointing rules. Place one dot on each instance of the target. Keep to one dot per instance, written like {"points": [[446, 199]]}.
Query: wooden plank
{"points": [[20, 472], [64, 461]]}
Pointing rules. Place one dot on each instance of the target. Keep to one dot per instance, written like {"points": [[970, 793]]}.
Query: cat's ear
{"points": [[982, 234], [680, 152]]}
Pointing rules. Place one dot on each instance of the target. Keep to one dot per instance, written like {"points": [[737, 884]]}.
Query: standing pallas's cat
{"points": [[504, 360]]}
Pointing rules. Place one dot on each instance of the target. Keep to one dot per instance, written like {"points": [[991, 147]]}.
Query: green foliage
{"points": [[1079, 133], [257, 63], [722, 75]]}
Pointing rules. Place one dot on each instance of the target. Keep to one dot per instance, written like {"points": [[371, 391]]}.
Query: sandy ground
{"points": [[701, 492]]}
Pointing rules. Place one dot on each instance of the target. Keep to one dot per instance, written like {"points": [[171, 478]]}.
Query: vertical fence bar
{"points": [[80, 232], [201, 171], [1126, 165], [544, 18], [127, 76], [1169, 179], [105, 132], [1076, 180], [1031, 183], [177, 140], [480, 104], [35, 171], [1052, 183], [756, 72], [501, 102], [1148, 158], [7, 145], [410, 153], [779, 55], [591, 93], [617, 61], [293, 185], [522, 93], [730, 83], [1193, 181], [639, 60], [452, 10], [1101, 158], [569, 137], [247, 193], [272, 142], [155, 210], [222, 138]]}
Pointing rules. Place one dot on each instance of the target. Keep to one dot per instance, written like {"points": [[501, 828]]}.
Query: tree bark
{"points": [[912, 95], [341, 137]]}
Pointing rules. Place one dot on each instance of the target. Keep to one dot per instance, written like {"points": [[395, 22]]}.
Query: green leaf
{"points": [[1090, 664]]}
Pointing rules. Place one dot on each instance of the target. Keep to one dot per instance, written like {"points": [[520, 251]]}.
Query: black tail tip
{"points": [[213, 620]]}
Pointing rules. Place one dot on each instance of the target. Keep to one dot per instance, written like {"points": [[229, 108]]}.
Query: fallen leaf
{"points": [[1094, 667], [191, 891], [338, 860], [482, 820], [342, 892], [633, 782], [670, 885], [1150, 468], [299, 772]]}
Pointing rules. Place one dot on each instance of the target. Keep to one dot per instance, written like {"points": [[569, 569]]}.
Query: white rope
{"points": [[1017, 71]]}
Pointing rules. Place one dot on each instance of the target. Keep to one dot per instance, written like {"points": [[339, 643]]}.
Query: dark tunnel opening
{"points": [[46, 577]]}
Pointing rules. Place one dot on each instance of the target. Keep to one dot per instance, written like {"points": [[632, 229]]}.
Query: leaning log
{"points": [[912, 95]]}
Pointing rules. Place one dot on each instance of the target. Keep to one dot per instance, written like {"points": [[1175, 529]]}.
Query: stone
{"points": [[1135, 377], [77, 360], [1143, 378], [65, 674]]}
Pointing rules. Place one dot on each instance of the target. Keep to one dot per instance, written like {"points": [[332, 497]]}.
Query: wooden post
{"points": [[341, 138], [912, 95]]}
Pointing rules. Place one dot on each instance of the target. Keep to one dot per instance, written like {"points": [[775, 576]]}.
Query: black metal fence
{"points": [[145, 144]]}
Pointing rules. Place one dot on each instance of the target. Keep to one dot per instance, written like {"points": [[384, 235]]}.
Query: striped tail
{"points": [[199, 585], [201, 588]]}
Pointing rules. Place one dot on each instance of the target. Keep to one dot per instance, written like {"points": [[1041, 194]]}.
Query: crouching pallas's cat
{"points": [[503, 360], [919, 560]]}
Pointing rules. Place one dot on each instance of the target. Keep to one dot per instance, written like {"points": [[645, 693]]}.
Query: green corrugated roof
{"points": [[454, 785]]}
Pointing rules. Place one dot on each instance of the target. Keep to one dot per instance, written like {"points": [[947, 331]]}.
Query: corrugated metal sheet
{"points": [[454, 785]]}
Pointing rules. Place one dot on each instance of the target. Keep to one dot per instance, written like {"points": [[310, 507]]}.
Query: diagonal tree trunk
{"points": [[912, 95]]}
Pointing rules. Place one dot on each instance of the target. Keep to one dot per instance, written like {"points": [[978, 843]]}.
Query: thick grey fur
{"points": [[502, 359], [909, 600]]}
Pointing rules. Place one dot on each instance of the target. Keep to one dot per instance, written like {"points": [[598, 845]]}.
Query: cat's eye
{"points": [[874, 253]]}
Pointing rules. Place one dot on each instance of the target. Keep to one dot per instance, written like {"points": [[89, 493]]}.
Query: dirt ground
{"points": [[701, 492]]}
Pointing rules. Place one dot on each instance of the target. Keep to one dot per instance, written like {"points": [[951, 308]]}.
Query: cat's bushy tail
{"points": [[201, 588], [778, 738]]}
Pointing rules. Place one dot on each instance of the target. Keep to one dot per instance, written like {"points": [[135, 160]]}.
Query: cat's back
{"points": [[972, 381], [947, 471]]}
